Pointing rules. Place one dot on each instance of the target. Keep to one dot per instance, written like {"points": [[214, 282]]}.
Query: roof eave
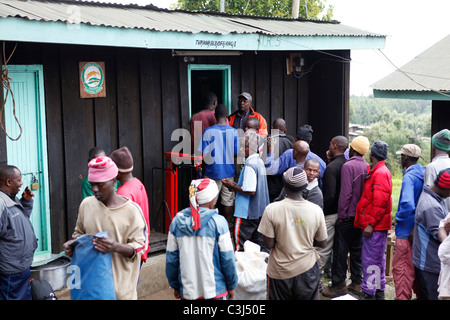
{"points": [[24, 30], [411, 94]]}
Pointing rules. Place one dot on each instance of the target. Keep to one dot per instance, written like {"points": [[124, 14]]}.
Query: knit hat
{"points": [[410, 150], [305, 133], [360, 144], [123, 159], [200, 191], [441, 140], [295, 179], [380, 150], [443, 179], [102, 169]]}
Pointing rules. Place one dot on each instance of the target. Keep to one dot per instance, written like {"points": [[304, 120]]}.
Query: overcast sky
{"points": [[411, 27]]}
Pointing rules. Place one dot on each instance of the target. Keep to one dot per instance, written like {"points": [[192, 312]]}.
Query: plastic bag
{"points": [[95, 279], [251, 268]]}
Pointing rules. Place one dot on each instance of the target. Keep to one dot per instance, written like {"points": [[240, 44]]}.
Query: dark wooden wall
{"points": [[147, 98]]}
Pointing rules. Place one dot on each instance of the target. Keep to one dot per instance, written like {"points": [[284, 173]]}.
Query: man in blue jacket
{"points": [[200, 256], [403, 268], [287, 160]]}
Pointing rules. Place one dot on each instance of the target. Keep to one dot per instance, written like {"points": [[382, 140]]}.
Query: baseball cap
{"points": [[410, 150], [246, 95]]}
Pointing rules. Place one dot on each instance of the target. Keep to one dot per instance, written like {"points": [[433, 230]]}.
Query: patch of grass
{"points": [[396, 187]]}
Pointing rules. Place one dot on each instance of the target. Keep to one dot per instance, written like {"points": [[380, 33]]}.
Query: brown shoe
{"points": [[334, 291], [355, 289]]}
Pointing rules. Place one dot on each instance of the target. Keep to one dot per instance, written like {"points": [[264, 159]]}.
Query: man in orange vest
{"points": [[238, 118]]}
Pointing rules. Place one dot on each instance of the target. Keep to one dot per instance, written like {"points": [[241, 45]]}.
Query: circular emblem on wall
{"points": [[92, 78]]}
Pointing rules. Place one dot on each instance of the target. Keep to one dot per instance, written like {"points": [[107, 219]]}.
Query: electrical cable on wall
{"points": [[7, 86]]}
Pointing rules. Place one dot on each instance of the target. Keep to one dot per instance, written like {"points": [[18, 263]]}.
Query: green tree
{"points": [[317, 9]]}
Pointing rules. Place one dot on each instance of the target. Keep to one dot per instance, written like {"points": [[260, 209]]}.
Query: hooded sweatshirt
{"points": [[412, 186], [200, 264]]}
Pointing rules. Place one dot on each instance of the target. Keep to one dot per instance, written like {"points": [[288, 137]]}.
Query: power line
{"points": [[413, 80]]}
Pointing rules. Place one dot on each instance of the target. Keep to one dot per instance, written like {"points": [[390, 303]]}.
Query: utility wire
{"points": [[413, 80]]}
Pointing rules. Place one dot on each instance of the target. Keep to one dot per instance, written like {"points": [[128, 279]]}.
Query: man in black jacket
{"points": [[283, 143], [331, 189]]}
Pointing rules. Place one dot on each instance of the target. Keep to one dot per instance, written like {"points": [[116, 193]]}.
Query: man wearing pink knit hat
{"points": [[121, 218]]}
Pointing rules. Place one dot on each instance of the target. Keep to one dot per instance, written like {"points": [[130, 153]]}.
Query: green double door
{"points": [[29, 152]]}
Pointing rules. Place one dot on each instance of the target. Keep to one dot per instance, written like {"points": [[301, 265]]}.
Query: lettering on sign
{"points": [[269, 41], [215, 44]]}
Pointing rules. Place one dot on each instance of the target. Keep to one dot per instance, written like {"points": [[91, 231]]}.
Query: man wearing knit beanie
{"points": [[294, 224], [430, 211], [440, 145], [130, 186], [123, 221], [373, 216], [347, 238]]}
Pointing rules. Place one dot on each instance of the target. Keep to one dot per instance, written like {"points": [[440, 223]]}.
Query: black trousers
{"points": [[246, 229], [347, 239], [15, 286], [305, 286], [427, 284]]}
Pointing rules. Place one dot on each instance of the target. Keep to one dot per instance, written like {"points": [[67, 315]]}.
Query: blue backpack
{"points": [[92, 275]]}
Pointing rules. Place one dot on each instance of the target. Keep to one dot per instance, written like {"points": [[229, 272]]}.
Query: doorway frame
{"points": [[38, 71], [226, 81]]}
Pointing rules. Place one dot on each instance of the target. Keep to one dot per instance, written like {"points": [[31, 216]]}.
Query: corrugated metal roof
{"points": [[429, 71], [156, 19]]}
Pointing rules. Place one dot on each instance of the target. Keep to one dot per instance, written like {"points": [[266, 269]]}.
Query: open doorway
{"points": [[208, 78]]}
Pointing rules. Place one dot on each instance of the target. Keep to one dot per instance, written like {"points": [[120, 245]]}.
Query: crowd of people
{"points": [[312, 217]]}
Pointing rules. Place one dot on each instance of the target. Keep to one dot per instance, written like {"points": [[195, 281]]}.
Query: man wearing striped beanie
{"points": [[291, 228], [440, 143], [430, 211]]}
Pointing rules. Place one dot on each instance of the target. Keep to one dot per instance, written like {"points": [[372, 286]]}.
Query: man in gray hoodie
{"points": [[17, 238]]}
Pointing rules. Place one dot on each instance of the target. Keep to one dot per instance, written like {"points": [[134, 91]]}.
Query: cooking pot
{"points": [[54, 272]]}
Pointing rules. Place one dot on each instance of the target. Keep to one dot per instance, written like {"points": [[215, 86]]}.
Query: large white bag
{"points": [[251, 269]]}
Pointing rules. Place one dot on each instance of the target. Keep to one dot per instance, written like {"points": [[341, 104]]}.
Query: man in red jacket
{"points": [[373, 215]]}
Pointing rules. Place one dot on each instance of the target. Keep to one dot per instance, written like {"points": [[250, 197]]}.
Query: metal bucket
{"points": [[54, 272]]}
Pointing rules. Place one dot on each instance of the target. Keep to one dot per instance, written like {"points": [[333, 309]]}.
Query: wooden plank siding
{"points": [[147, 98]]}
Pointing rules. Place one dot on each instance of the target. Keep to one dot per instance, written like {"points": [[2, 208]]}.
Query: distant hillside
{"points": [[412, 114]]}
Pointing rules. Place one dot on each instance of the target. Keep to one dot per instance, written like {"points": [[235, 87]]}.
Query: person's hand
{"points": [[229, 184], [368, 231], [27, 194], [447, 226], [67, 248], [176, 294], [104, 244], [231, 293]]}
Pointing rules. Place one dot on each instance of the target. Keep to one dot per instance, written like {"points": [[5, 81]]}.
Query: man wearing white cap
{"points": [[412, 185], [292, 228], [200, 256]]}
